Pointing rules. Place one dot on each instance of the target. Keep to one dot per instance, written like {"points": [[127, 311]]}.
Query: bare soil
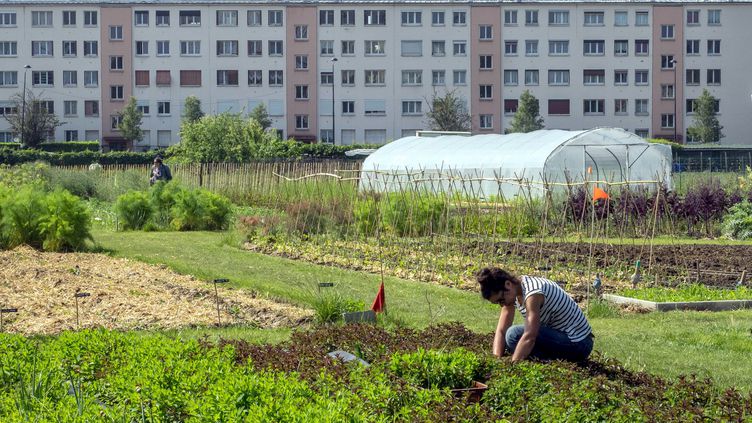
{"points": [[124, 295]]}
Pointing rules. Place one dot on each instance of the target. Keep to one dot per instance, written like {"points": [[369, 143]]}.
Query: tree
{"points": [[192, 109], [130, 122], [706, 127], [260, 115], [35, 123], [527, 118], [448, 113]]}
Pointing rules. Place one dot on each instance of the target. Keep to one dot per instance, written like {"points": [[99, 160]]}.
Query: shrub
{"points": [[134, 209], [162, 196], [737, 223], [218, 210], [412, 214], [25, 174], [329, 305], [200, 209], [437, 369], [66, 223], [22, 211]]}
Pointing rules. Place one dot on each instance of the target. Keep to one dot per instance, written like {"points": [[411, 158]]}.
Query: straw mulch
{"points": [[124, 295]]}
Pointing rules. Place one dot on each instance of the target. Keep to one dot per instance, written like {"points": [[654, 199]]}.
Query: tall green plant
{"points": [[134, 209], [527, 118], [706, 128]]}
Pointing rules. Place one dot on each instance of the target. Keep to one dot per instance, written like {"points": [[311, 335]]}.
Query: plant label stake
{"points": [[6, 310], [325, 285], [78, 295], [741, 279], [216, 295]]}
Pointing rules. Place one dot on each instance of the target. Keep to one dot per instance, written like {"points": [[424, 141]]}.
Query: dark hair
{"points": [[492, 280], [158, 159]]}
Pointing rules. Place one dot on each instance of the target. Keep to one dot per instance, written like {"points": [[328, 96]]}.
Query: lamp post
{"points": [[334, 112], [23, 109], [676, 94]]}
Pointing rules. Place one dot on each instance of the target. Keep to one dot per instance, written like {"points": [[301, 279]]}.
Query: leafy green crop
{"points": [[694, 292]]}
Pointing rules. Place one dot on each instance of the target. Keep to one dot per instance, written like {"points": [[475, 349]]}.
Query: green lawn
{"points": [[668, 344]]}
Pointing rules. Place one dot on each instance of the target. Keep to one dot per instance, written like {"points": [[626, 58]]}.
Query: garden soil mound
{"points": [[124, 295]]}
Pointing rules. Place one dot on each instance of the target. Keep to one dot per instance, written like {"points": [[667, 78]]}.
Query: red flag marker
{"points": [[379, 303]]}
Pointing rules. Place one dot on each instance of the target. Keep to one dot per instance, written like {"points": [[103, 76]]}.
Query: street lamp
{"points": [[23, 109], [334, 112], [676, 94]]}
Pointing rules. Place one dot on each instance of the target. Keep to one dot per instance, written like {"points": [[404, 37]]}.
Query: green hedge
{"points": [[58, 146]]}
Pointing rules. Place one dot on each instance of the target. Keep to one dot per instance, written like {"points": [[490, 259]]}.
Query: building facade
{"points": [[365, 71]]}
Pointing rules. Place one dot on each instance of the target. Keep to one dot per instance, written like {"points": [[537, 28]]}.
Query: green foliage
{"points": [[329, 304], [26, 174], [215, 139], [130, 121], [448, 112], [737, 223], [12, 156], [705, 127], [199, 210], [192, 109], [598, 309], [58, 146], [403, 214], [527, 118], [32, 122], [690, 292], [134, 209], [437, 369], [261, 115]]}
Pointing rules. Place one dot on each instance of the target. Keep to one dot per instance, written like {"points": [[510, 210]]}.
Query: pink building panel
{"points": [[485, 15], [661, 75], [114, 17], [304, 16]]}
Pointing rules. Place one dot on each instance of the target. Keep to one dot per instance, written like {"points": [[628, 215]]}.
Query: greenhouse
{"points": [[493, 165]]}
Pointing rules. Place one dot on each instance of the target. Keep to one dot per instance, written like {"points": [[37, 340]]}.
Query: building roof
{"points": [[335, 2]]}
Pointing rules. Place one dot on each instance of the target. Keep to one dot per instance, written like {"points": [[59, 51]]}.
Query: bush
{"points": [[162, 196], [70, 146], [22, 211], [401, 213], [134, 209], [737, 223], [329, 306], [196, 210], [437, 369]]}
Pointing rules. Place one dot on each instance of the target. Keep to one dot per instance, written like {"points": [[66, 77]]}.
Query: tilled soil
{"points": [[124, 295]]}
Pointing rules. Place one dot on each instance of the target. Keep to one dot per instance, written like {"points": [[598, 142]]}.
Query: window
{"points": [[347, 17], [227, 78], [412, 48], [593, 18], [374, 47], [189, 17], [116, 92], [8, 48], [116, 63], [301, 122], [348, 77], [486, 121], [142, 48], [6, 136], [190, 78], [511, 77], [42, 78], [254, 48], [301, 32], [693, 47], [693, 17], [7, 19], [558, 77], [438, 77], [326, 17], [190, 48], [69, 18], [692, 77], [714, 77], [531, 17], [621, 106], [142, 78], [531, 77], [667, 32], [227, 18], [227, 47], [593, 47], [486, 62], [326, 135], [274, 18], [91, 108], [437, 18], [326, 78], [510, 17], [667, 61], [412, 78], [641, 107], [621, 18], [163, 18], [348, 48], [301, 92], [71, 135], [69, 49], [412, 107], [667, 120], [164, 78], [374, 17], [593, 107], [143, 107], [459, 18], [641, 19], [141, 18], [459, 77], [621, 77], [558, 17], [531, 47], [275, 48], [91, 48], [90, 18], [438, 48], [642, 47], [301, 62], [41, 48], [621, 47], [70, 107], [644, 133], [91, 78], [348, 107], [70, 78], [276, 78], [714, 47], [163, 108], [558, 48], [667, 91], [486, 92], [486, 32], [593, 77], [163, 48], [116, 32], [375, 77], [412, 18], [46, 105], [459, 48], [8, 78], [7, 108], [41, 19], [714, 17], [510, 48], [641, 77]]}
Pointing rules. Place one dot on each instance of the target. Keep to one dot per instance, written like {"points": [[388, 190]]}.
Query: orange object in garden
{"points": [[599, 194], [379, 303]]}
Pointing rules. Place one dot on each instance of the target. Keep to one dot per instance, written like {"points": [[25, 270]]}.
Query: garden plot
{"points": [[123, 295], [686, 297]]}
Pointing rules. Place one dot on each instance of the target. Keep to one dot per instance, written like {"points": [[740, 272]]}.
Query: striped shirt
{"points": [[559, 311]]}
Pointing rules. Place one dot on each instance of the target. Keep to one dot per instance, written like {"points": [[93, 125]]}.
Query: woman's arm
{"points": [[505, 321], [532, 326]]}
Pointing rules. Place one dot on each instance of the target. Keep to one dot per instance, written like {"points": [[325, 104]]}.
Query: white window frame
{"points": [[190, 48]]}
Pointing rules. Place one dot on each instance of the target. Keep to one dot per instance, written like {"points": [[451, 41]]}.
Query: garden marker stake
{"points": [[636, 276], [78, 295], [216, 295], [5, 310]]}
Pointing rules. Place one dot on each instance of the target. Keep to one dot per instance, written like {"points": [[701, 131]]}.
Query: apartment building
{"points": [[365, 71]]}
